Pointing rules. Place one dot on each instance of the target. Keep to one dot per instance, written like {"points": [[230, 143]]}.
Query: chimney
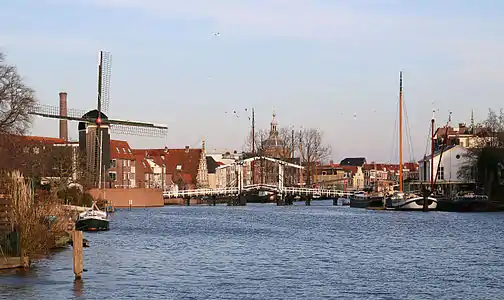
{"points": [[63, 126]]}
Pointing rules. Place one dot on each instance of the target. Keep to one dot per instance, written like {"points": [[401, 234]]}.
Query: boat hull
{"points": [[365, 202], [92, 224], [413, 204]]}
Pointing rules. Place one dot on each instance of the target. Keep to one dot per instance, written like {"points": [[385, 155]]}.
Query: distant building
{"points": [[274, 146], [451, 162], [122, 171]]}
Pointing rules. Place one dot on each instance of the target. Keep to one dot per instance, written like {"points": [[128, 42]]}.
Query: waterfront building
{"points": [[355, 165], [173, 169], [383, 176], [122, 171], [46, 158], [448, 166]]}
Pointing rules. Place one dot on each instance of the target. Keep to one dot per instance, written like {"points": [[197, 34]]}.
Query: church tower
{"points": [[202, 176]]}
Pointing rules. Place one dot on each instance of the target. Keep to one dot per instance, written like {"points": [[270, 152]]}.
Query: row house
{"points": [[43, 157], [382, 176], [172, 169], [348, 174], [122, 172]]}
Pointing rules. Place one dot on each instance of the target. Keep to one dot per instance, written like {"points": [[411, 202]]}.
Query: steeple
{"points": [[202, 176], [274, 124], [472, 119]]}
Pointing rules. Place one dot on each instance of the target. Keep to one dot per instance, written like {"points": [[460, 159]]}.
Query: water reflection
{"points": [[269, 252]]}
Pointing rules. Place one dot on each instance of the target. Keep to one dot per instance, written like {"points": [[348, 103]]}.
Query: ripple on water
{"points": [[269, 252]]}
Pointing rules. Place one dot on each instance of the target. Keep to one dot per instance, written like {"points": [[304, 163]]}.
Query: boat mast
{"points": [[432, 151], [400, 133]]}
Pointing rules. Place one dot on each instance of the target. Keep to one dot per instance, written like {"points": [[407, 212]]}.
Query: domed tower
{"points": [[273, 146]]}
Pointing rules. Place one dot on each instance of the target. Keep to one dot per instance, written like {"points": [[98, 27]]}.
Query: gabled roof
{"points": [[211, 164], [183, 161], [437, 153], [353, 161], [412, 166], [35, 139], [120, 150], [142, 165]]}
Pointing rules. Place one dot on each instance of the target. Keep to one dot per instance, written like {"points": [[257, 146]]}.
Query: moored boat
{"points": [[92, 220], [410, 202], [466, 202], [366, 200]]}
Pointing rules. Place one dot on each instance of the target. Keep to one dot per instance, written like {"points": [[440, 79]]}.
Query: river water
{"points": [[269, 252]]}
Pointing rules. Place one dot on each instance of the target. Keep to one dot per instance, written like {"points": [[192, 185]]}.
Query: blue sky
{"points": [[317, 62]]}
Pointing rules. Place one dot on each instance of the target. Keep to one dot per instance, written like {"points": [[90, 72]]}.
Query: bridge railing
{"points": [[201, 192], [268, 187]]}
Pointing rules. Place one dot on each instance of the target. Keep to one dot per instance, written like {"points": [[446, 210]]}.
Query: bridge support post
{"points": [[187, 201], [308, 201]]}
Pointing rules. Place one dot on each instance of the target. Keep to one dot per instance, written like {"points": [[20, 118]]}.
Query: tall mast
{"points": [[400, 133]]}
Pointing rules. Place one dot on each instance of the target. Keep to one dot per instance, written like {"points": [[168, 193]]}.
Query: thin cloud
{"points": [[48, 43]]}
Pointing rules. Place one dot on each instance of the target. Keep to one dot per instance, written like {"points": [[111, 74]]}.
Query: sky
{"points": [[327, 64]]}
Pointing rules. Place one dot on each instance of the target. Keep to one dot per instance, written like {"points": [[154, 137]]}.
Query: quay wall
{"points": [[141, 197], [181, 201]]}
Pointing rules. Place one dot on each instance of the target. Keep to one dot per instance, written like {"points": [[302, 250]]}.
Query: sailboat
{"points": [[400, 200]]}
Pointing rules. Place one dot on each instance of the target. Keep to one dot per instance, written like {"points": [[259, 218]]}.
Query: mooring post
{"points": [[78, 264], [308, 201], [130, 204]]}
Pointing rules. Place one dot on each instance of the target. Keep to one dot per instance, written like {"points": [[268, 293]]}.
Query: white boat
{"points": [[400, 200], [92, 219], [403, 201]]}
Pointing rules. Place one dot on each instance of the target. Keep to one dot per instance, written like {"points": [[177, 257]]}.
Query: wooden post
{"points": [[78, 264], [130, 203]]}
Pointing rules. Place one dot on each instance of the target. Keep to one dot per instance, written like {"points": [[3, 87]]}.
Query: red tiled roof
{"points": [[391, 167], [187, 159], [41, 139], [220, 163], [120, 150], [141, 164]]}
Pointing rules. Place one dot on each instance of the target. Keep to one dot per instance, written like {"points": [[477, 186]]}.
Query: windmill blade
{"points": [[106, 70], [139, 131], [50, 111], [136, 124]]}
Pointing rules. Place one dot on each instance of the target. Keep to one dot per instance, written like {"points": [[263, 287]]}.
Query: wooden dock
{"points": [[13, 263]]}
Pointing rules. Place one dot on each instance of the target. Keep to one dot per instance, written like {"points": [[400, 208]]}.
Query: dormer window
{"points": [[117, 149], [124, 150], [129, 150]]}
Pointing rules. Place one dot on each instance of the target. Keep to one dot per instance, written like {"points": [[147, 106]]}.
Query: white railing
{"points": [[292, 191], [315, 192], [201, 192]]}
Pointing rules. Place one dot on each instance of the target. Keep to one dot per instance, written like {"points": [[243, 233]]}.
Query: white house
{"points": [[451, 162]]}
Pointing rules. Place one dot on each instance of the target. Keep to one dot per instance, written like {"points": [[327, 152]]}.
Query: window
{"points": [[113, 163], [132, 176], [117, 149], [441, 173], [124, 150], [36, 150], [324, 173], [113, 176], [129, 150], [179, 167]]}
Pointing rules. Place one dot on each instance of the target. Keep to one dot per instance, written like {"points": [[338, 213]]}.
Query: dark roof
{"points": [[211, 164], [353, 162], [438, 152]]}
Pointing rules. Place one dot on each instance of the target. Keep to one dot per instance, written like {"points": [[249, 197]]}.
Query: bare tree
{"points": [[484, 162], [16, 100], [313, 151]]}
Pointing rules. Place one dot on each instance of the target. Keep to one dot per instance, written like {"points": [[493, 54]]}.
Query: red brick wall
{"points": [[141, 197]]}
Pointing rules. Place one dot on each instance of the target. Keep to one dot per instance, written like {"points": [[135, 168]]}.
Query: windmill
{"points": [[94, 125]]}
